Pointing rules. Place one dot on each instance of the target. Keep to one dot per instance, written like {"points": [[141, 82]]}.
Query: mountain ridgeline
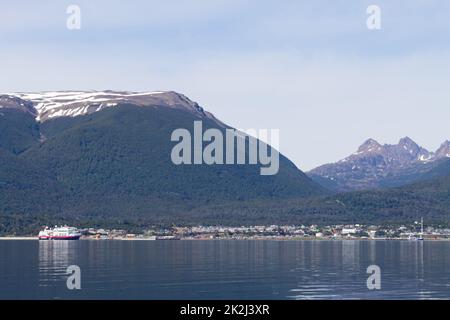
{"points": [[103, 158], [78, 156], [376, 166]]}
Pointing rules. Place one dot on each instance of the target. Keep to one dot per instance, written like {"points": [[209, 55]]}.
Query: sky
{"points": [[311, 69]]}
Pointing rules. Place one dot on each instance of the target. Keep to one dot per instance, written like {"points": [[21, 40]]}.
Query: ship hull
{"points": [[60, 237]]}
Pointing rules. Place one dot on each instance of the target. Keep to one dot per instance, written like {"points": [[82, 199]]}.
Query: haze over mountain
{"points": [[106, 156], [375, 166]]}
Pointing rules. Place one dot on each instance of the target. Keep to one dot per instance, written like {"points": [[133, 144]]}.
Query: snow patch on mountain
{"points": [[54, 104]]}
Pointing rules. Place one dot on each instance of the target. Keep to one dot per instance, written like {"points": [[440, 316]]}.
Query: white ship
{"points": [[59, 233]]}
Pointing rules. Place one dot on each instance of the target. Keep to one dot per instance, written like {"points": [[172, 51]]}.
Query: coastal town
{"points": [[276, 232], [413, 231]]}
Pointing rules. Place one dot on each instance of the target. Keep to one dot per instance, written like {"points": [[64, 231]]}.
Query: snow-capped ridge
{"points": [[53, 104]]}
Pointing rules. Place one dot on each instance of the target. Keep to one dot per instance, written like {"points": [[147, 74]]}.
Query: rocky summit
{"points": [[375, 165]]}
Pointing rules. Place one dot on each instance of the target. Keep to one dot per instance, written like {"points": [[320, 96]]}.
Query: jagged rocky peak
{"points": [[406, 150], [409, 145], [369, 145], [13, 102], [444, 150], [52, 104], [407, 141], [412, 150], [376, 165]]}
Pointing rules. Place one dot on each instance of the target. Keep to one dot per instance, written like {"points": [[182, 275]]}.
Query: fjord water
{"points": [[224, 269]]}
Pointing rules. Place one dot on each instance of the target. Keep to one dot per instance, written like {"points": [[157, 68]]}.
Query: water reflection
{"points": [[54, 258], [350, 254], [329, 269], [226, 269]]}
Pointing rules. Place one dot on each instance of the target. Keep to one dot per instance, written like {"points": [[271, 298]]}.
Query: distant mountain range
{"points": [[379, 166]]}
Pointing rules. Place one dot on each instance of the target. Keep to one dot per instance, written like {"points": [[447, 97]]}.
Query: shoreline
{"points": [[24, 238], [19, 238]]}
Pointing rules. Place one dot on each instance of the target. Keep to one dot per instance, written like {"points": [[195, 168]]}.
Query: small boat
{"points": [[59, 233], [412, 236]]}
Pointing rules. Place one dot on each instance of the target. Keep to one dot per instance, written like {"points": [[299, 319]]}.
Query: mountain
{"points": [[19, 130], [429, 199], [443, 151], [49, 105], [380, 166], [105, 157]]}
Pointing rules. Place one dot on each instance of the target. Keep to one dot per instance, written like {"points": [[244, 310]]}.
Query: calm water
{"points": [[224, 269]]}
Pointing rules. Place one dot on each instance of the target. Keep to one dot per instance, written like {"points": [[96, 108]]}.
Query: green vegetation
{"points": [[18, 131], [115, 165], [113, 169]]}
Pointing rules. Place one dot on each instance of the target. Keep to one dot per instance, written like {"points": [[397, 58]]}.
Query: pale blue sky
{"points": [[310, 68]]}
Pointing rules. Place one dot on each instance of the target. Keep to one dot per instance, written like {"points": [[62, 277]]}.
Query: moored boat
{"points": [[59, 233]]}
